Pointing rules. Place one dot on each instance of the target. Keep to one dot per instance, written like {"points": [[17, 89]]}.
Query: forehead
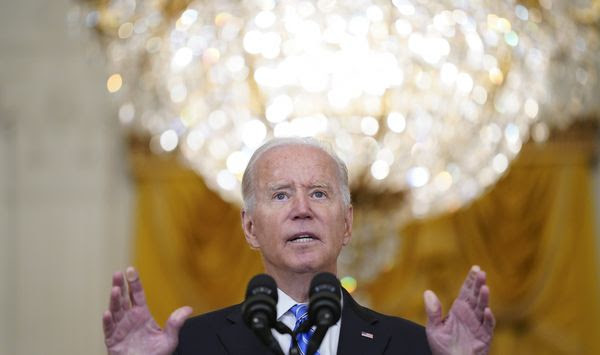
{"points": [[296, 163]]}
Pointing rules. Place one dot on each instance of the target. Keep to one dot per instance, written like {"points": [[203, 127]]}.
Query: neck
{"points": [[295, 284]]}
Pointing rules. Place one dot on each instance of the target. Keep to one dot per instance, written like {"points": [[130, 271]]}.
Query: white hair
{"points": [[248, 180]]}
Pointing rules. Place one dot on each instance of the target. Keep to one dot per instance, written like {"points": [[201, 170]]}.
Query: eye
{"points": [[319, 194], [280, 196]]}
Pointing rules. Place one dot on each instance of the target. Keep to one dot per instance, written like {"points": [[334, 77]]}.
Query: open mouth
{"points": [[302, 238]]}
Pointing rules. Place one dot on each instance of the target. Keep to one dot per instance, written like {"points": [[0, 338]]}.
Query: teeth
{"points": [[302, 239]]}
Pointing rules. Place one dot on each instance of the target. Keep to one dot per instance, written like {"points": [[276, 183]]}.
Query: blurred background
{"points": [[471, 134]]}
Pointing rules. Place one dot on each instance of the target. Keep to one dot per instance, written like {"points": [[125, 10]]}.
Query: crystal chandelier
{"points": [[429, 100]]}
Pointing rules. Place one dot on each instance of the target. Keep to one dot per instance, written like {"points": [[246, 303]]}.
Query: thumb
{"points": [[175, 322], [433, 307]]}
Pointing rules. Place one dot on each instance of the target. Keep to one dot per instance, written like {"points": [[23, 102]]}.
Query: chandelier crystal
{"points": [[431, 99]]}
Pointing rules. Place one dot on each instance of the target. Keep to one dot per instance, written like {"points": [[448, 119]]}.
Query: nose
{"points": [[301, 208]]}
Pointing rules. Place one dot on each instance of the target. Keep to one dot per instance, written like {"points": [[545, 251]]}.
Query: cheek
{"points": [[267, 222], [337, 224], [267, 228]]}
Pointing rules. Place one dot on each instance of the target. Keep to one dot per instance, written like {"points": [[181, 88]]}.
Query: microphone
{"points": [[259, 309], [324, 307]]}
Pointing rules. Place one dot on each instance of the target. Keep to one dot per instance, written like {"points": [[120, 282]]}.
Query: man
{"points": [[297, 213]]}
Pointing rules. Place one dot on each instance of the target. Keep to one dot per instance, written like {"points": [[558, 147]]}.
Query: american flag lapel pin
{"points": [[367, 335]]}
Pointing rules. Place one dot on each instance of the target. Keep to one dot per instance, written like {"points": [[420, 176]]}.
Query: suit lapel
{"points": [[237, 338], [359, 333]]}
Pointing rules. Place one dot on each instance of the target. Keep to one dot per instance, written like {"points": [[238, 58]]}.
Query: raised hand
{"points": [[129, 329], [468, 328]]}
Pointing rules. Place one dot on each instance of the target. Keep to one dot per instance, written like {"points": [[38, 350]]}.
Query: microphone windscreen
{"points": [[259, 310], [324, 308], [262, 284], [325, 282]]}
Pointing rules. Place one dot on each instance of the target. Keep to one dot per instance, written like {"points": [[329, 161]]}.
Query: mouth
{"points": [[303, 237]]}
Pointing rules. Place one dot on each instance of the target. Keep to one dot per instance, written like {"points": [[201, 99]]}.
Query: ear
{"points": [[348, 218], [248, 227]]}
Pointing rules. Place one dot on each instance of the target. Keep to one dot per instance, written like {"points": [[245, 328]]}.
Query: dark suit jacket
{"points": [[224, 332]]}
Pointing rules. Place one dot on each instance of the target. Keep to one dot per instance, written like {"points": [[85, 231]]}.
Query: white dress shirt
{"points": [[330, 342]]}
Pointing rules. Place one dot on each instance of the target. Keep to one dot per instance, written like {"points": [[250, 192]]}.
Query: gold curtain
{"points": [[533, 233], [189, 247]]}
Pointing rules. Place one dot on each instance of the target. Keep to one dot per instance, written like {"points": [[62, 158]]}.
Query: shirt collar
{"points": [[286, 302]]}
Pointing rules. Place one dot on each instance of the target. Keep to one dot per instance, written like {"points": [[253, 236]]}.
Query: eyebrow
{"points": [[285, 185], [320, 184], [279, 186]]}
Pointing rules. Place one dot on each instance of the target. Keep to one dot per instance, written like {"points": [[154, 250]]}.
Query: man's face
{"points": [[298, 221]]}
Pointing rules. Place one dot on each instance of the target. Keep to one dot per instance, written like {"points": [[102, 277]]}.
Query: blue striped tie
{"points": [[301, 313]]}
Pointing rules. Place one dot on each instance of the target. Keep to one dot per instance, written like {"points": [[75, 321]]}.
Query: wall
{"points": [[64, 191], [597, 201], [65, 196]]}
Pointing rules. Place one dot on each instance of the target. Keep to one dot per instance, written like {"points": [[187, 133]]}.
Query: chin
{"points": [[311, 266]]}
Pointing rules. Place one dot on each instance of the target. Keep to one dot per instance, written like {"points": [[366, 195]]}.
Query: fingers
{"points": [[479, 282], [108, 325], [115, 305], [489, 322], [433, 308], [136, 291], [175, 322], [120, 298], [470, 289], [119, 281], [482, 302], [466, 289]]}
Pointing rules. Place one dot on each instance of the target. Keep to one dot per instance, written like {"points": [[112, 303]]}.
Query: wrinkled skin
{"points": [[468, 327], [129, 329], [297, 194]]}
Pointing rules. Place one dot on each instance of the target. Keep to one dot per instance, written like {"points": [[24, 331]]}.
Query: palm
{"points": [[138, 333], [129, 329], [468, 328]]}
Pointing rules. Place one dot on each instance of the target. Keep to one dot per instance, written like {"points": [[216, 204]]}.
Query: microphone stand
{"points": [[264, 334], [316, 339], [284, 329]]}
